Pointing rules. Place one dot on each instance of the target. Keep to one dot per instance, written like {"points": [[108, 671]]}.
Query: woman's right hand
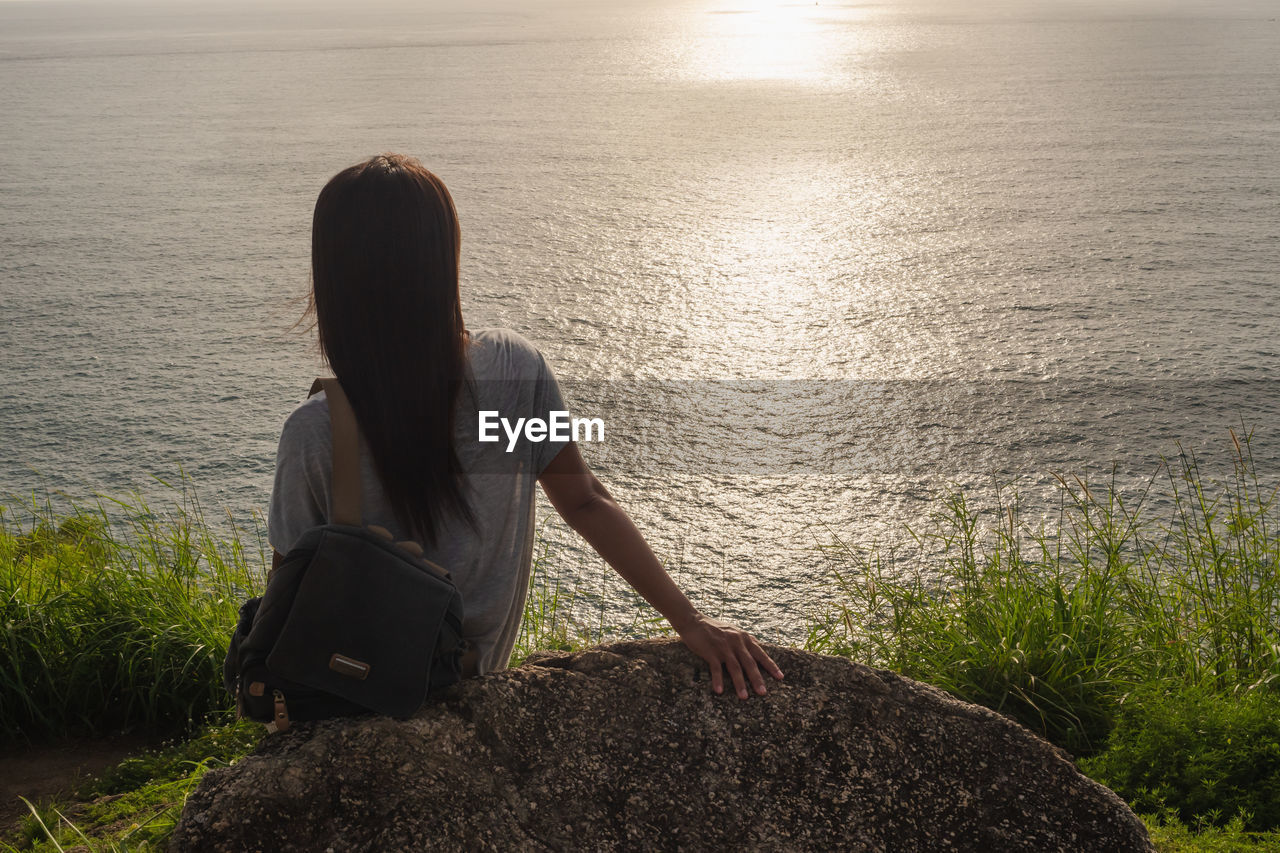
{"points": [[723, 647]]}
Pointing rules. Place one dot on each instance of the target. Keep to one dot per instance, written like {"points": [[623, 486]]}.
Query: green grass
{"points": [[116, 617], [1199, 756], [1171, 835], [548, 623], [1001, 624], [1058, 621]]}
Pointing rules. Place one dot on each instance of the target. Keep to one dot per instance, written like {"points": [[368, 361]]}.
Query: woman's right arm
{"points": [[590, 510]]}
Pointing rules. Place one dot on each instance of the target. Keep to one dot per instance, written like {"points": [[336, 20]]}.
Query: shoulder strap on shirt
{"points": [[344, 503]]}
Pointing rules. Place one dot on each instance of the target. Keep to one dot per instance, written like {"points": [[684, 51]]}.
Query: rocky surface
{"points": [[624, 747]]}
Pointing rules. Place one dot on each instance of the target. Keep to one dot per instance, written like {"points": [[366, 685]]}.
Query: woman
{"points": [[384, 259]]}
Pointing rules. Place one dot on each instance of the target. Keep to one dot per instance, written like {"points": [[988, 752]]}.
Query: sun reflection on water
{"points": [[765, 40], [773, 268]]}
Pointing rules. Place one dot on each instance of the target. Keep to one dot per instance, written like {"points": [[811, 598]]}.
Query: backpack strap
{"points": [[344, 502]]}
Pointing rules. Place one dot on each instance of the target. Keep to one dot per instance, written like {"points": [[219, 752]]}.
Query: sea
{"points": [[815, 265]]}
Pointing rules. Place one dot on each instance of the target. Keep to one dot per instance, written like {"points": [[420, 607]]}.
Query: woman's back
{"points": [[489, 560], [385, 248]]}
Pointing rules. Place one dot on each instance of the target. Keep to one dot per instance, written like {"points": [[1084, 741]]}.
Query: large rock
{"points": [[624, 747]]}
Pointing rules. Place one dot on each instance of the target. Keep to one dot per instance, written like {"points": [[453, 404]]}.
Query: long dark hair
{"points": [[384, 291]]}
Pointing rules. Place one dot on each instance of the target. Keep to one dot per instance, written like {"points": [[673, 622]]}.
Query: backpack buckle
{"points": [[280, 722]]}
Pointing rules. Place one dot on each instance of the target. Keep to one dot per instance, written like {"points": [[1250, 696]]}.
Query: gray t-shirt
{"points": [[490, 563]]}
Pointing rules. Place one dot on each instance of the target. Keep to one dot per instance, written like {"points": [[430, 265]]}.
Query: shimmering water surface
{"points": [[813, 261]]}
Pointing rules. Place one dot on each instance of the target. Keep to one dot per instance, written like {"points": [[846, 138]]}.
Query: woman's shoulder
{"points": [[505, 354], [501, 339], [308, 424]]}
